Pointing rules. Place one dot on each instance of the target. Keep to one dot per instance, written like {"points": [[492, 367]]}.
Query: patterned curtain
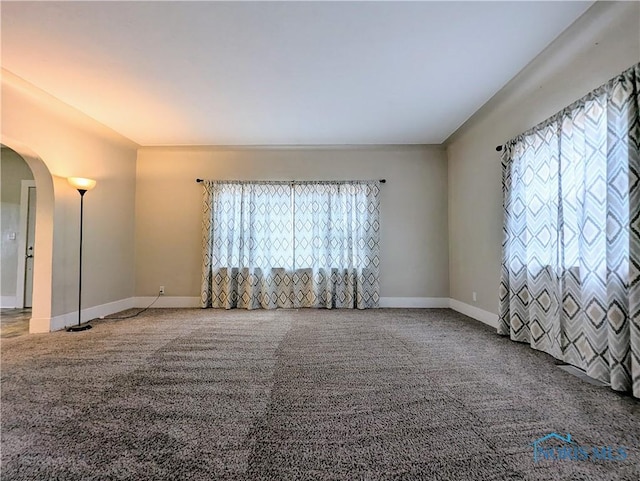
{"points": [[570, 281], [282, 244]]}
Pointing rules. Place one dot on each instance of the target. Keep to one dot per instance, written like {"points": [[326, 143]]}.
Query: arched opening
{"points": [[18, 229], [43, 241]]}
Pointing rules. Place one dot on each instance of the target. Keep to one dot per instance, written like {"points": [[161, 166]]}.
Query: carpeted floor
{"points": [[311, 394]]}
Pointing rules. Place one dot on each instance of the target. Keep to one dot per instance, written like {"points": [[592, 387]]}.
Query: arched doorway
{"points": [[43, 242]]}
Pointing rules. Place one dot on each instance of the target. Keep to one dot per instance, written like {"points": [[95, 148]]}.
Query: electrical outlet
{"points": [[161, 291], [475, 297]]}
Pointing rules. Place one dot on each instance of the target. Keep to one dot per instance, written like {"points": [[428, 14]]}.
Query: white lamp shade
{"points": [[81, 183]]}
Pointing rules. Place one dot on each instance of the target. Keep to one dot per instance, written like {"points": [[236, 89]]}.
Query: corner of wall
{"points": [[486, 317]]}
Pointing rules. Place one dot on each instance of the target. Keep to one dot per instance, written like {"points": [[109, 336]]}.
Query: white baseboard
{"points": [[71, 318], [167, 301], [476, 313], [441, 302], [8, 302], [62, 321], [415, 302]]}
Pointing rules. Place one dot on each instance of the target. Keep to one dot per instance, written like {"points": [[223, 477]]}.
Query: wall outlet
{"points": [[161, 291], [475, 296]]}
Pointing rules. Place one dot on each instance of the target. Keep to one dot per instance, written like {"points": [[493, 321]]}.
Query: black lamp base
{"points": [[79, 328]]}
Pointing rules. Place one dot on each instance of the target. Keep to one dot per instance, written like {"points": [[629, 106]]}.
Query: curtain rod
{"points": [[382, 181]]}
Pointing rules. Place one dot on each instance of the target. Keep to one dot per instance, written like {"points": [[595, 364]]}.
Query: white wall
{"points": [[72, 144], [414, 245], [602, 43], [13, 170]]}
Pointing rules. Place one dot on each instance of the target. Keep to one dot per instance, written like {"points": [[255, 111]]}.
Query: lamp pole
{"points": [[82, 186], [82, 192]]}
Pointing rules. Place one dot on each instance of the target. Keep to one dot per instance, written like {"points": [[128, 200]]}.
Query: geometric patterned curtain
{"points": [[289, 245], [570, 278]]}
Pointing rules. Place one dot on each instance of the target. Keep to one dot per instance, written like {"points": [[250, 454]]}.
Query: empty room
{"points": [[317, 240]]}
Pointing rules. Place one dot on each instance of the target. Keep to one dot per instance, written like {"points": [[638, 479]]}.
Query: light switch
{"points": [[12, 236]]}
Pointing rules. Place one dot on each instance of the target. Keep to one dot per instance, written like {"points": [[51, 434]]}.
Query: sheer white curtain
{"points": [[282, 244], [570, 280]]}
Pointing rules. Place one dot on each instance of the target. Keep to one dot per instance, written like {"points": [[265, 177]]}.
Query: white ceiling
{"points": [[278, 73]]}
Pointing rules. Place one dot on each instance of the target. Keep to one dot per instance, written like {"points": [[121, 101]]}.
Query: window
{"points": [[570, 284], [323, 235]]}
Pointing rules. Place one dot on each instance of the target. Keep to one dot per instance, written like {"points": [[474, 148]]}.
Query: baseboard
{"points": [[415, 302], [62, 321], [8, 302], [476, 313], [167, 301], [71, 318]]}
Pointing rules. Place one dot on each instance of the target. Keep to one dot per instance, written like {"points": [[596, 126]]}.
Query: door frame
{"points": [[22, 239]]}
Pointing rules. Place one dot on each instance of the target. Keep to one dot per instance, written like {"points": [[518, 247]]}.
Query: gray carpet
{"points": [[311, 394]]}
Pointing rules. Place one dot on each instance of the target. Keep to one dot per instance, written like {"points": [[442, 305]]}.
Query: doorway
{"points": [[26, 252], [18, 242], [41, 237]]}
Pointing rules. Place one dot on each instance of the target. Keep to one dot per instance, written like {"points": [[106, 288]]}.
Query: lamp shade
{"points": [[81, 183]]}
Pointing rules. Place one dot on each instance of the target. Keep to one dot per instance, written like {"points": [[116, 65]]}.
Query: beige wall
{"points": [[441, 222], [414, 246], [601, 44], [71, 144], [13, 170]]}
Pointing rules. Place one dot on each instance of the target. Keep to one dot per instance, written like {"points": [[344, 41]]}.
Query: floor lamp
{"points": [[83, 185]]}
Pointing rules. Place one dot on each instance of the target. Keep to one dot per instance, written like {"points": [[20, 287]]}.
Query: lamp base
{"points": [[79, 328]]}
